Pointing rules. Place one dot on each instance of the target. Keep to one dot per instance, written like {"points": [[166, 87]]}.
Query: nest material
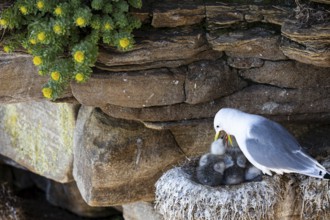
{"points": [[179, 197], [315, 196]]}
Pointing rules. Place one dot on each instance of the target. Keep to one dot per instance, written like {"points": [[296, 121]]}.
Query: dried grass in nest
{"points": [[180, 197], [315, 196]]}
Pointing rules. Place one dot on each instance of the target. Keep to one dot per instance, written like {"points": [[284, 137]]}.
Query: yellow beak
{"points": [[230, 140], [216, 137]]}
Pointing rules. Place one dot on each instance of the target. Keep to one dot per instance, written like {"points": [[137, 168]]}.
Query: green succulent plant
{"points": [[63, 35]]}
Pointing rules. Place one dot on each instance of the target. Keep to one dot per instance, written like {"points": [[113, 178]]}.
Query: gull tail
{"points": [[326, 176], [318, 171]]}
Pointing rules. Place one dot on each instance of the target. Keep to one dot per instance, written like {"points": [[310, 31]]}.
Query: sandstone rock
{"points": [[171, 13], [255, 42], [208, 80], [39, 136], [314, 56], [141, 211], [132, 89], [67, 196], [315, 34], [224, 15], [284, 104], [118, 161], [19, 79], [156, 48], [244, 63], [289, 74], [194, 137]]}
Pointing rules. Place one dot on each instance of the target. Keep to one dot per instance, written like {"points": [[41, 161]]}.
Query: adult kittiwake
{"points": [[266, 144]]}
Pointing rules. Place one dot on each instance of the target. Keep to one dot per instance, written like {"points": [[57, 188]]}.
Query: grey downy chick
{"points": [[238, 168], [210, 170], [252, 173], [236, 164]]}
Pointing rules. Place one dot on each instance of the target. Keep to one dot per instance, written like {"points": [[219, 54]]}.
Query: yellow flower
{"points": [[124, 42], [107, 26], [3, 22], [41, 36], [55, 75], [57, 29], [79, 77], [33, 41], [79, 56], [47, 92], [80, 21], [6, 49], [23, 10], [58, 11], [37, 60], [40, 5]]}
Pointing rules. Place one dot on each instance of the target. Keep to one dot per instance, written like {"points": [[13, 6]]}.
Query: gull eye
{"points": [[218, 126]]}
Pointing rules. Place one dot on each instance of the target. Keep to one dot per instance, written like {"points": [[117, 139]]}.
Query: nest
{"points": [[178, 196], [315, 196]]}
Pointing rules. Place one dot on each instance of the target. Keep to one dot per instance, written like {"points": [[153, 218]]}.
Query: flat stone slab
{"points": [[19, 79], [39, 136], [281, 103], [255, 42], [171, 13], [309, 55], [118, 161], [157, 48], [132, 89], [289, 74]]}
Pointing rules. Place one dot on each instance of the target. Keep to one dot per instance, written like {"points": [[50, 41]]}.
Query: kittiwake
{"points": [[266, 144]]}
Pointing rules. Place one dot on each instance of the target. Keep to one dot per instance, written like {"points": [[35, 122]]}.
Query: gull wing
{"points": [[272, 146]]}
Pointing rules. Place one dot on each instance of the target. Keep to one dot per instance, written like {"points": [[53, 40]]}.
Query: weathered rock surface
{"points": [[244, 63], [177, 13], [255, 42], [67, 196], [132, 89], [280, 103], [314, 56], [315, 34], [201, 82], [223, 15], [19, 79], [159, 48], [309, 37], [140, 211], [39, 136], [118, 161], [209, 80], [289, 74]]}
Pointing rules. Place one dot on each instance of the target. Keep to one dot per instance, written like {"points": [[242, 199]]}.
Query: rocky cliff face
{"points": [[147, 110]]}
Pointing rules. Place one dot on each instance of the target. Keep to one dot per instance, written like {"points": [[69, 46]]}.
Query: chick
{"points": [[210, 170], [235, 163]]}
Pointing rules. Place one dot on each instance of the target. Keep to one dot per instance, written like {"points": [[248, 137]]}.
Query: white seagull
{"points": [[266, 144]]}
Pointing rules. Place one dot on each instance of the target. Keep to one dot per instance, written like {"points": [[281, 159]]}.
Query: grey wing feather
{"points": [[273, 146]]}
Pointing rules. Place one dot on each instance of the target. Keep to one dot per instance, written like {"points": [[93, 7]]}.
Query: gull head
{"points": [[220, 124]]}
